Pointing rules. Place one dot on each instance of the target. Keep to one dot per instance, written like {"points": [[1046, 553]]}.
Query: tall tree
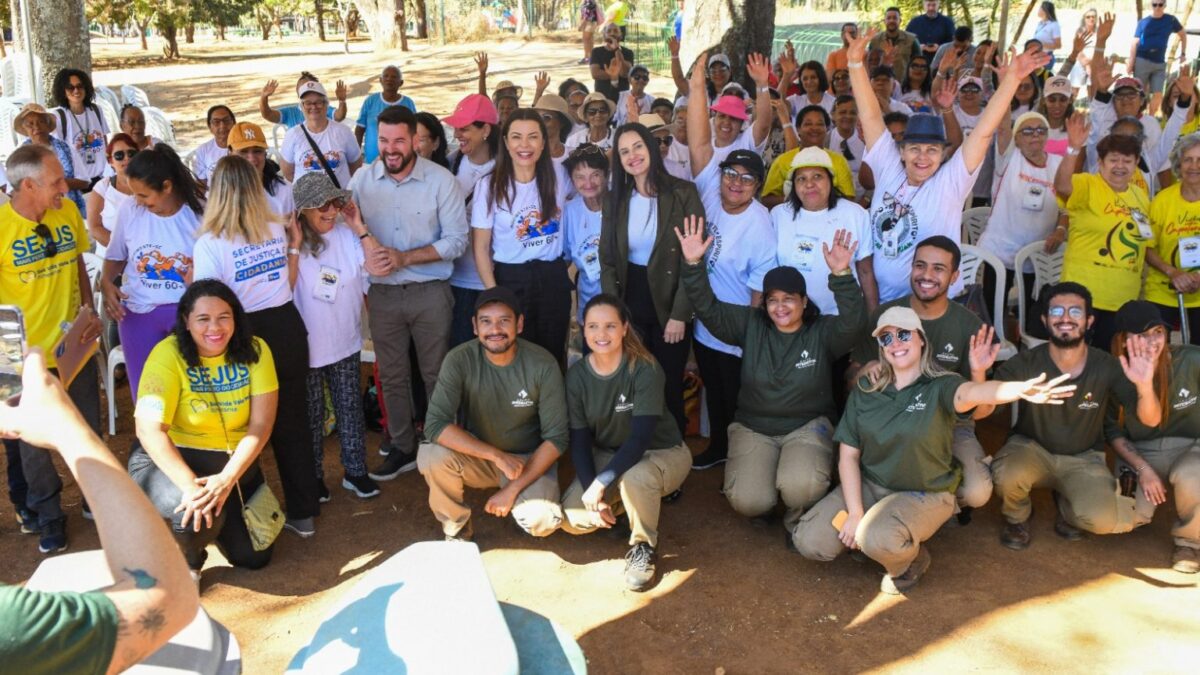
{"points": [[732, 27], [319, 8], [386, 21]]}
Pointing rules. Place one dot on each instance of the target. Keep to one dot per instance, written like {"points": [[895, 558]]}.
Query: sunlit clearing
{"points": [[358, 563], [881, 603]]}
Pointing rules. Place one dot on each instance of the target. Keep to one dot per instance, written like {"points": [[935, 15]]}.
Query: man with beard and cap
{"points": [[414, 209], [1062, 447]]}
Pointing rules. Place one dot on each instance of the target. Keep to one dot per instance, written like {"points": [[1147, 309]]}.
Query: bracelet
{"points": [[1071, 152], [1142, 468], [763, 90], [854, 64], [674, 58], [689, 263], [364, 235], [293, 251], [1060, 227]]}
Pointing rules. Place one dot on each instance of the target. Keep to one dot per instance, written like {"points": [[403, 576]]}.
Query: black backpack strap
{"points": [[321, 156]]}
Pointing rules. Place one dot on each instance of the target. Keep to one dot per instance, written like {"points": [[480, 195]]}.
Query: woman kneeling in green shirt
{"points": [[620, 423], [781, 439], [897, 471]]}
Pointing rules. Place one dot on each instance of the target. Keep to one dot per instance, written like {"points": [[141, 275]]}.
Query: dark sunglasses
{"points": [[338, 204], [904, 335], [592, 112], [75, 87], [732, 175], [666, 141], [1034, 131], [121, 155], [43, 231], [640, 78]]}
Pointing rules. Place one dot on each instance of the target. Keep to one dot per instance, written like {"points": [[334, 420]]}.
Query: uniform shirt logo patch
{"points": [[622, 404], [522, 400], [1088, 402], [917, 405], [805, 361]]}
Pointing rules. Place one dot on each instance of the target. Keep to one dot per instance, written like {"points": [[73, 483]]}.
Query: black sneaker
{"points": [[362, 486], [323, 495], [903, 583], [396, 463], [386, 448], [54, 537], [639, 566], [708, 459], [1016, 535], [1061, 527], [28, 520]]}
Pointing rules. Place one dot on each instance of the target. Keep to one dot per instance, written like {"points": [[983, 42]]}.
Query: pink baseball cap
{"points": [[732, 106], [1128, 82], [474, 108]]}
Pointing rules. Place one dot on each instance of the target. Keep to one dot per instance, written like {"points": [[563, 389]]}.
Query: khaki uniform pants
{"points": [[890, 533], [448, 472], [639, 491], [976, 487], [1089, 496], [1176, 461], [762, 469]]}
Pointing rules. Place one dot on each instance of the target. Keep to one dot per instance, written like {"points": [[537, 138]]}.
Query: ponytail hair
{"points": [[154, 166], [632, 347]]}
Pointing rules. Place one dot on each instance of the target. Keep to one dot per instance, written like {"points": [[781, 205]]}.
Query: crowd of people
{"points": [[797, 236]]}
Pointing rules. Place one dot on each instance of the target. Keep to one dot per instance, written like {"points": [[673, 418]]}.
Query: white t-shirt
{"points": [[564, 177], [257, 273], [679, 155], [205, 159], [281, 202], [799, 240], [466, 274], [1024, 208], [643, 228], [798, 102], [581, 136], [902, 215], [87, 134], [621, 117], [744, 141], [966, 121], [581, 227], [329, 296], [896, 105], [336, 142], [520, 231], [157, 253], [114, 199]]}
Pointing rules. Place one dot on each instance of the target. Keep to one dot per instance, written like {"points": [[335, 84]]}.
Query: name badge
{"points": [[326, 287], [1143, 224], [1034, 198], [591, 262], [1189, 252]]}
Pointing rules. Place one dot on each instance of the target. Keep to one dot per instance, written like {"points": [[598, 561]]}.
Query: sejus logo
{"points": [[917, 405], [1185, 400], [229, 377], [1088, 402], [522, 400], [947, 354], [805, 361], [33, 248], [623, 405]]}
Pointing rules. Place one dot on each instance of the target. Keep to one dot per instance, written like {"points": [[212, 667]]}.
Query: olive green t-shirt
{"points": [[1078, 425], [787, 378], [1182, 411], [606, 405], [56, 632], [905, 435], [514, 408], [949, 336]]}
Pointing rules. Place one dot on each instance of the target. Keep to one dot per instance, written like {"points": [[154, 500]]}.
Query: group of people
{"points": [[797, 235]]}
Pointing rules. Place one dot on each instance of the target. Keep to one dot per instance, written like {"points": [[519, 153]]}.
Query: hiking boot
{"points": [[28, 520], [304, 527], [362, 486], [397, 462], [639, 566], [1186, 560], [465, 534], [1015, 535], [899, 585], [54, 537], [708, 459], [323, 495], [1066, 530]]}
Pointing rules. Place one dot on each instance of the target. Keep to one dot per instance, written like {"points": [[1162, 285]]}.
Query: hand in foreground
{"points": [[1039, 391], [44, 417], [846, 534], [1136, 361], [692, 241], [500, 504], [509, 464], [839, 257], [983, 349]]}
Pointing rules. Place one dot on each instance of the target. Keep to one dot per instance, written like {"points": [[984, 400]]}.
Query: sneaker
{"points": [[87, 511], [1015, 535], [396, 463], [708, 459], [964, 515], [1186, 560], [303, 527], [899, 585], [362, 486], [386, 448], [54, 537], [584, 61], [323, 495], [28, 520], [464, 535], [639, 566]]}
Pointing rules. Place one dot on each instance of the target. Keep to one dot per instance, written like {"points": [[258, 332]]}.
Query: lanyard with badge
{"points": [[326, 287], [89, 156]]}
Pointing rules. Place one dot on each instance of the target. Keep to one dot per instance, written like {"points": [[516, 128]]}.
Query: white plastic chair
{"points": [[277, 133], [111, 115], [969, 270], [1047, 268], [107, 94], [110, 359], [158, 126], [134, 95], [9, 107], [14, 75], [973, 222]]}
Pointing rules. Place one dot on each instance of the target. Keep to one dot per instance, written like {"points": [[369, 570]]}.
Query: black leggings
{"points": [[722, 376], [672, 357], [544, 289]]}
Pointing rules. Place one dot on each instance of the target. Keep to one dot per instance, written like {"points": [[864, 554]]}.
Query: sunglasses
{"points": [[547, 117], [48, 242], [886, 339], [640, 78], [1127, 95], [75, 87], [592, 112], [731, 174], [588, 149], [919, 66], [1158, 4], [1030, 132], [338, 204], [840, 77], [666, 141], [969, 90], [122, 155], [1057, 312]]}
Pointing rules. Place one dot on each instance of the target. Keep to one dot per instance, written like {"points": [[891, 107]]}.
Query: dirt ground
{"points": [[731, 596]]}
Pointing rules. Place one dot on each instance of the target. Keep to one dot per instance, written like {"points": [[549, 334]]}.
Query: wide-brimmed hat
{"points": [[32, 109], [314, 189], [502, 88], [924, 128], [652, 121], [554, 103], [596, 97]]}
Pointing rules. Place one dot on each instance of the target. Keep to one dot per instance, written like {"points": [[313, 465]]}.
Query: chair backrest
{"points": [[1047, 269], [158, 126], [8, 138], [973, 222], [974, 259], [110, 112], [277, 133], [134, 95], [107, 94], [14, 75]]}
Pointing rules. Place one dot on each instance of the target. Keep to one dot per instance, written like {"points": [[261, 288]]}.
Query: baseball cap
{"points": [[310, 87], [499, 294], [473, 108], [1057, 85], [924, 128], [246, 135], [810, 157], [1127, 83], [747, 159], [718, 58], [970, 79], [787, 279], [900, 317], [639, 68], [1138, 316], [731, 106], [315, 189]]}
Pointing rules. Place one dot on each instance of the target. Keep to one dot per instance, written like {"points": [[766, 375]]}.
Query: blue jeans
{"points": [[17, 487]]}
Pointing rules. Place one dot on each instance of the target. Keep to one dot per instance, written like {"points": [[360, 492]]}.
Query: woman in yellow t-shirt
{"points": [[1175, 259], [1109, 225], [205, 407]]}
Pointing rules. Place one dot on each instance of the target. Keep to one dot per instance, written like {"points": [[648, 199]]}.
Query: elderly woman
{"points": [[37, 125], [597, 111], [319, 144], [133, 122], [1174, 259]]}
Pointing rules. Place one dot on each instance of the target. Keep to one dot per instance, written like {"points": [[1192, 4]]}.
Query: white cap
{"points": [[310, 87]]}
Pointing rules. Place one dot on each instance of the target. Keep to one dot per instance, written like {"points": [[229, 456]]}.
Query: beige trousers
{"points": [[1177, 462], [448, 472], [890, 533], [976, 487], [762, 469], [638, 492], [1090, 498]]}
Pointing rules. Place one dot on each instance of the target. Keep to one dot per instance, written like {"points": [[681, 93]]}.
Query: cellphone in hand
{"points": [[12, 351]]}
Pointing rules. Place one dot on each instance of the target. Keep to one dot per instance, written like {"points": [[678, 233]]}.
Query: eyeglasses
{"points": [[48, 242], [718, 66], [846, 152], [221, 121], [547, 117], [1057, 312], [1128, 95], [731, 174], [122, 155], [666, 141], [919, 66], [587, 149], [840, 77], [1034, 131], [1158, 4], [886, 339], [592, 112]]}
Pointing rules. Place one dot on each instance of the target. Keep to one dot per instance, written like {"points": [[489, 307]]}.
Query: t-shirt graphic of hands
{"points": [[893, 227]]}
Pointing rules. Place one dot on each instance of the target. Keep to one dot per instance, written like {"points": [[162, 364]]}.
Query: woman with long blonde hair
{"points": [[245, 244]]}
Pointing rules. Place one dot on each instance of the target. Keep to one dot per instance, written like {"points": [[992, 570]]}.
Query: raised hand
{"points": [[982, 352], [1136, 361], [1025, 64], [1104, 27], [1041, 392], [613, 69], [673, 46], [1078, 128], [270, 87], [1083, 38], [782, 110], [947, 94], [787, 66], [481, 62], [541, 81], [838, 257], [696, 78], [856, 52], [759, 69], [692, 241], [1186, 82], [340, 91]]}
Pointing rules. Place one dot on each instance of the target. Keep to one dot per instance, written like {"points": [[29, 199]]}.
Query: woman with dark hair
{"points": [[246, 140], [639, 257], [1047, 31], [916, 87], [573, 92], [597, 112], [1025, 99], [151, 250], [516, 218], [207, 404], [627, 451], [814, 87], [1056, 106], [587, 167], [839, 83], [780, 441], [431, 139], [812, 126], [107, 196], [220, 120], [80, 122]]}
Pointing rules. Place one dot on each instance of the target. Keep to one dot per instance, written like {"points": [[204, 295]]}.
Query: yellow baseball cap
{"points": [[246, 135]]}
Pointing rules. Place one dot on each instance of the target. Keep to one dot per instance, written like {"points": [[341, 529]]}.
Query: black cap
{"points": [[747, 159], [786, 279], [499, 294], [1138, 316]]}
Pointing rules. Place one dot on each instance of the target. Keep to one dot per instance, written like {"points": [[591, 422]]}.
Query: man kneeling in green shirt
{"points": [[1062, 447], [510, 393]]}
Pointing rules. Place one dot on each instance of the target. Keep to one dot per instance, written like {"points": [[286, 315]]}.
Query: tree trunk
{"points": [[189, 33], [320, 10], [351, 21], [60, 39], [422, 19], [278, 28], [733, 27], [170, 33], [264, 24], [220, 31], [1020, 26], [401, 25], [384, 19], [143, 26]]}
